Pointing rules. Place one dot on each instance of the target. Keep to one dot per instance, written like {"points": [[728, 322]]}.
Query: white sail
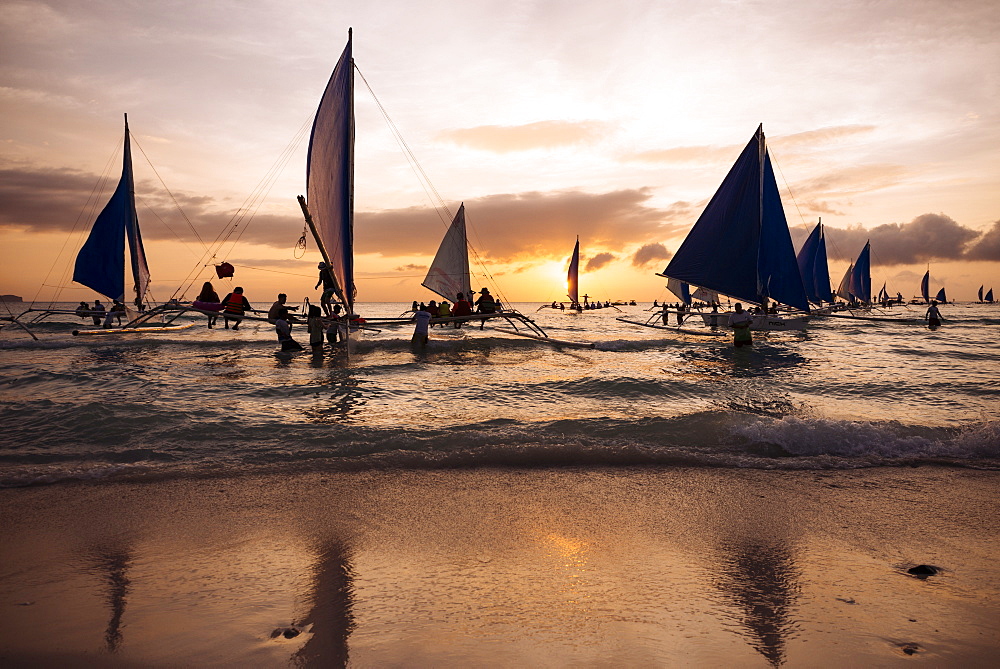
{"points": [[449, 272], [705, 295], [844, 289]]}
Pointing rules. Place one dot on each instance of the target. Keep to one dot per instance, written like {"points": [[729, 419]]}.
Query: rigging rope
{"points": [[437, 202]]}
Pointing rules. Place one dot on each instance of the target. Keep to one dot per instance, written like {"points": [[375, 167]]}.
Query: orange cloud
{"points": [[539, 135]]}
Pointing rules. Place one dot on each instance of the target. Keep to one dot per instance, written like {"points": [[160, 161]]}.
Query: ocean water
{"points": [[840, 395]]}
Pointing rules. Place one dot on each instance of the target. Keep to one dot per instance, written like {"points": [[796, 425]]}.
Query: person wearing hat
{"points": [[485, 303], [325, 278]]}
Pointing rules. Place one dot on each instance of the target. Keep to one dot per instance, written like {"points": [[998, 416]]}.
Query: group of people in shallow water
{"points": [[425, 314], [331, 326]]}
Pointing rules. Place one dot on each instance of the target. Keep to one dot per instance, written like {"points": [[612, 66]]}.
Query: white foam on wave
{"points": [[811, 437]]}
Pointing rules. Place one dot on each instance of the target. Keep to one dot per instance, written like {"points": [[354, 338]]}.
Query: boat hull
{"points": [[765, 322]]}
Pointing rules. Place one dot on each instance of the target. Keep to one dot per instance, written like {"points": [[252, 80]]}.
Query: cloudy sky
{"points": [[614, 122]]}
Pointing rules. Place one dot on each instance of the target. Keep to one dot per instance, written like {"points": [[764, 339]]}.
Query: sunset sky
{"points": [[611, 121]]}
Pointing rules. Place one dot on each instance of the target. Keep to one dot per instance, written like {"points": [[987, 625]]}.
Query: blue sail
{"points": [[861, 276], [814, 268], [989, 295], [740, 245], [330, 176], [925, 286], [100, 264], [941, 297]]}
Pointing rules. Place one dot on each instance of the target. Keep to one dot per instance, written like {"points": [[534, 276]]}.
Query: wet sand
{"points": [[542, 568]]}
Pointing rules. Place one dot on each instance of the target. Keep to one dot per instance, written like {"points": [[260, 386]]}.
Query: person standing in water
{"points": [[423, 321], [740, 321], [933, 315]]}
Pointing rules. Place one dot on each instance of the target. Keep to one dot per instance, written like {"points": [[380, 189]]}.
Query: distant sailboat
{"points": [[449, 272], [814, 268], [740, 245], [925, 287], [989, 296], [100, 264], [573, 277], [329, 210], [941, 297]]}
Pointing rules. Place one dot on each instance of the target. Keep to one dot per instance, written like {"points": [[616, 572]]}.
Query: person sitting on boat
{"points": [[741, 321], [433, 309], [933, 315], [284, 330], [272, 313], [444, 311], [234, 306], [99, 308], [485, 304], [83, 310], [208, 300], [461, 308], [114, 313], [422, 318], [325, 278]]}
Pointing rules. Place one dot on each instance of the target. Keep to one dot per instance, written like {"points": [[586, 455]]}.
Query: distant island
{"points": [[10, 298]]}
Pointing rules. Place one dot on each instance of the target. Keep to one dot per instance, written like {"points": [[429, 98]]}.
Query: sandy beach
{"points": [[506, 567]]}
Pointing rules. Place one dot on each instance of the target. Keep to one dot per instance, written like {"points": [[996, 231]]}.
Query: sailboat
{"points": [[989, 296], [925, 287], [449, 271], [740, 245], [814, 268], [573, 278], [329, 210], [941, 297], [100, 263], [861, 276]]}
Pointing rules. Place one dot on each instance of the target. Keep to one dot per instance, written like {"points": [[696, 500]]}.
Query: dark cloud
{"points": [[927, 237], [651, 254], [503, 227], [543, 134], [63, 200], [986, 247], [411, 268], [526, 225], [599, 261]]}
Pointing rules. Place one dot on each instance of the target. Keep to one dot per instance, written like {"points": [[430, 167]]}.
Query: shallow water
{"points": [[841, 394]]}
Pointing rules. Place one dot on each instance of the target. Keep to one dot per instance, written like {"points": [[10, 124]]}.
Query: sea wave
{"points": [[716, 438]]}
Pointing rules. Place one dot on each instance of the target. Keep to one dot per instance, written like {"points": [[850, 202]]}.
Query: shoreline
{"points": [[505, 567]]}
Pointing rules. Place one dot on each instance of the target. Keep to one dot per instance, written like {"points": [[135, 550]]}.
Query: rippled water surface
{"points": [[841, 394]]}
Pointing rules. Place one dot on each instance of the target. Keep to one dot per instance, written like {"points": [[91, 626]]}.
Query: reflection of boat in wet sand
{"points": [[760, 579], [740, 245]]}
